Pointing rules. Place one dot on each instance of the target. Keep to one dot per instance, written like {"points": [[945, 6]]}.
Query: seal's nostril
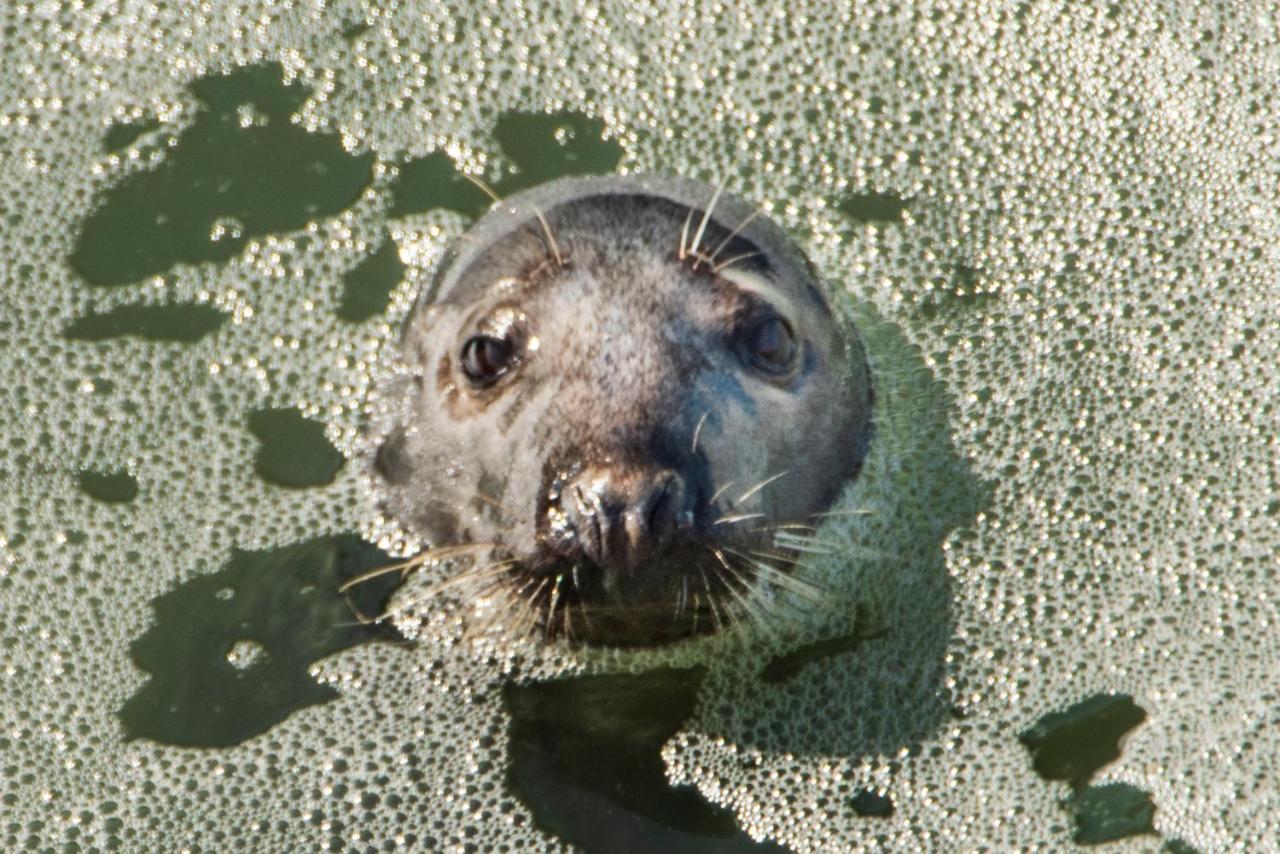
{"points": [[622, 516]]}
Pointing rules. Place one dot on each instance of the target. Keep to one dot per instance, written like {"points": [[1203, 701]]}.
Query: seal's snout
{"points": [[622, 516]]}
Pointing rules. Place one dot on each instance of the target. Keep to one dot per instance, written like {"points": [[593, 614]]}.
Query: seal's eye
{"points": [[770, 345], [485, 358]]}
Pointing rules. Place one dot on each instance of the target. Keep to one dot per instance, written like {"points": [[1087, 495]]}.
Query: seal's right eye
{"points": [[486, 358]]}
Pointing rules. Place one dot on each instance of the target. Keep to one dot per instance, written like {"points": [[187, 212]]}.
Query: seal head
{"points": [[626, 386]]}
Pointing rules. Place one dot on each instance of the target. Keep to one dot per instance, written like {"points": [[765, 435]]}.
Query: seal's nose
{"points": [[622, 516]]}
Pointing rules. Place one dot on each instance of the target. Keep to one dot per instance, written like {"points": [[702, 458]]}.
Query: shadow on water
{"points": [[229, 652], [877, 688], [585, 759]]}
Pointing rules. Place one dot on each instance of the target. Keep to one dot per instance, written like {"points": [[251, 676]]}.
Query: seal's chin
{"points": [[695, 587]]}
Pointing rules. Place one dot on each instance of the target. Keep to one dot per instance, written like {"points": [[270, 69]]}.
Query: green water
{"points": [[279, 610], [227, 653], [241, 170], [1054, 226]]}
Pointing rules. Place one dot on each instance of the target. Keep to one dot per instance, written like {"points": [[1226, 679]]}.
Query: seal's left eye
{"points": [[485, 358], [771, 345]]}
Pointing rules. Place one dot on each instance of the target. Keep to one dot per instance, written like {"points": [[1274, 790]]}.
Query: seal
{"points": [[630, 394]]}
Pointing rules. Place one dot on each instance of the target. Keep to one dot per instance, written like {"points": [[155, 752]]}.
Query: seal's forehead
{"points": [[643, 212]]}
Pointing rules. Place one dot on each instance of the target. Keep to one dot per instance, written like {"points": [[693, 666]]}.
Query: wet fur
{"points": [[634, 359]]}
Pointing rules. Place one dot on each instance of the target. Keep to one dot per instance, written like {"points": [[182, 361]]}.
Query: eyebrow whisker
{"points": [[706, 217], [711, 259], [546, 227], [684, 236]]}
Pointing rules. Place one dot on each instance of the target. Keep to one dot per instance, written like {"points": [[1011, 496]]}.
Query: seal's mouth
{"points": [[695, 587]]}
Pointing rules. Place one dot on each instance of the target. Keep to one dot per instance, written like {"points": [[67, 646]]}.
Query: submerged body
{"points": [[620, 390]]}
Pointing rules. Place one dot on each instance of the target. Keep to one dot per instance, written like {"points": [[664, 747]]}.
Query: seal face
{"points": [[624, 387]]}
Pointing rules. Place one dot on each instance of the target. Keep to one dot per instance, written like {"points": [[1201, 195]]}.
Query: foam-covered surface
{"points": [[1075, 487]]}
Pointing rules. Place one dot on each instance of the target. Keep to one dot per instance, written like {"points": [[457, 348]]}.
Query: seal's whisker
{"points": [[761, 485], [787, 560], [810, 539], [490, 570], [808, 590], [566, 623], [474, 574], [735, 518], [807, 548], [684, 236], [748, 604], [546, 228], [758, 609], [720, 491], [411, 563], [734, 260], [483, 186], [482, 626], [856, 512], [730, 574], [706, 217], [502, 609], [711, 597], [402, 566], [711, 259], [780, 578], [551, 238], [527, 617], [789, 526], [551, 605], [697, 431]]}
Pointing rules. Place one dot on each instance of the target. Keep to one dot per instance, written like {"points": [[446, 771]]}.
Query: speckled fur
{"points": [[633, 350]]}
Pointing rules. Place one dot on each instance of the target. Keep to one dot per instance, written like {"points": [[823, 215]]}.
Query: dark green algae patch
{"points": [[108, 487], [240, 171], [294, 452], [538, 146], [1076, 743], [282, 605], [121, 135], [176, 322], [873, 207], [367, 287]]}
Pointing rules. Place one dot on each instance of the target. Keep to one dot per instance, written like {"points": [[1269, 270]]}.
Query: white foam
{"points": [[1109, 175]]}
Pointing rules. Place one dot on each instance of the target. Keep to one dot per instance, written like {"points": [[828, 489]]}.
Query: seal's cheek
{"points": [[423, 332]]}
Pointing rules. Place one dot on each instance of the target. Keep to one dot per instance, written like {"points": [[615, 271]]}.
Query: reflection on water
{"points": [[585, 758]]}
